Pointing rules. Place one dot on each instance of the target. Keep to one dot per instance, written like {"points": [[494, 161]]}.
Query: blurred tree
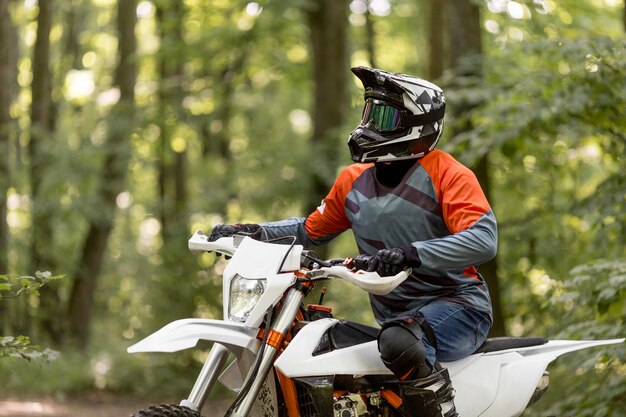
{"points": [[39, 145], [173, 161], [328, 24], [465, 50], [172, 193], [436, 42], [112, 179], [8, 65], [173, 148], [370, 35]]}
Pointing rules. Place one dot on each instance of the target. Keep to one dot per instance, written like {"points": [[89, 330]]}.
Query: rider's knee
{"points": [[403, 351]]}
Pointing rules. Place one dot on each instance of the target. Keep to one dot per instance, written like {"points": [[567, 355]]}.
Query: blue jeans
{"points": [[459, 330]]}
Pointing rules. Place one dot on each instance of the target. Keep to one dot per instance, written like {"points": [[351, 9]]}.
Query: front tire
{"points": [[167, 410]]}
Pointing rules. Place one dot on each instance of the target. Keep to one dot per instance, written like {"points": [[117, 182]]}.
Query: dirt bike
{"points": [[294, 360]]}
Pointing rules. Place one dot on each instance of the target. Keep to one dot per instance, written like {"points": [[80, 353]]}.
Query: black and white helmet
{"points": [[402, 117]]}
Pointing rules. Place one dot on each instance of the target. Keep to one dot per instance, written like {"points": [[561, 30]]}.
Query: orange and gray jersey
{"points": [[438, 212]]}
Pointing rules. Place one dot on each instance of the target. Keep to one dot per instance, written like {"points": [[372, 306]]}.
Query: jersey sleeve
{"points": [[467, 215], [327, 221]]}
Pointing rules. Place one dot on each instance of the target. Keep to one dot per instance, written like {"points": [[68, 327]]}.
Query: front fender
{"points": [[185, 334]]}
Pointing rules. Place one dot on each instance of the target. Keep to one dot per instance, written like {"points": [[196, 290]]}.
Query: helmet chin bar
{"points": [[368, 146], [390, 158]]}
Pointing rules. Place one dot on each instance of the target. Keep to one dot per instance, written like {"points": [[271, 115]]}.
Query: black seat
{"points": [[495, 344], [347, 333]]}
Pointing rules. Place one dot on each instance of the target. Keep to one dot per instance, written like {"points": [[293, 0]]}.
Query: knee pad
{"points": [[402, 349]]}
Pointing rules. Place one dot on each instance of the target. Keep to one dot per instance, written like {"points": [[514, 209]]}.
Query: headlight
{"points": [[244, 295]]}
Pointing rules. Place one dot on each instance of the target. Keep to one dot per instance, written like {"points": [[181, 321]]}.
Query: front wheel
{"points": [[167, 410]]}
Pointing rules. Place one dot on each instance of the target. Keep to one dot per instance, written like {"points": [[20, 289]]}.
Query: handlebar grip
{"points": [[361, 262]]}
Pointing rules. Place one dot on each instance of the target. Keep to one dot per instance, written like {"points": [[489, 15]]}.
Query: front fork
{"points": [[208, 375], [218, 355]]}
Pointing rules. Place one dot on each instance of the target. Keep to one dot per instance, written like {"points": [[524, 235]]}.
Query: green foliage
{"points": [[11, 287], [598, 287], [71, 373], [20, 346], [549, 117], [589, 305]]}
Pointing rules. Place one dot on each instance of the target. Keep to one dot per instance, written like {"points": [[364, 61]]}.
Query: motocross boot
{"points": [[432, 396]]}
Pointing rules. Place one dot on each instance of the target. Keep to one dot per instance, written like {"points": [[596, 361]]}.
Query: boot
{"points": [[432, 396]]}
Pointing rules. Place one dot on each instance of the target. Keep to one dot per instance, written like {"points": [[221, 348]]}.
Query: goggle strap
{"points": [[424, 119]]}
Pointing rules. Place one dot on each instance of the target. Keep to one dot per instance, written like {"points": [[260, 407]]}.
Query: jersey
{"points": [[438, 208]]}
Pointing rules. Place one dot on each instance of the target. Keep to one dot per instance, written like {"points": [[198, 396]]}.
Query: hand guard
{"points": [[225, 230], [387, 262]]}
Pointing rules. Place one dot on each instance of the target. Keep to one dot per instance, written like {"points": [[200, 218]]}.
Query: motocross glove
{"points": [[387, 262], [255, 231]]}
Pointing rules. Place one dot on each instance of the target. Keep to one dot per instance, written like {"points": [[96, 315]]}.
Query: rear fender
{"points": [[186, 333], [556, 348]]}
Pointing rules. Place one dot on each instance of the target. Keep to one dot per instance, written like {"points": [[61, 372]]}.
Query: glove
{"points": [[225, 230], [387, 262]]}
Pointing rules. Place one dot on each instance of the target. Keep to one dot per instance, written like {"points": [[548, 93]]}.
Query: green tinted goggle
{"points": [[382, 116], [385, 118]]}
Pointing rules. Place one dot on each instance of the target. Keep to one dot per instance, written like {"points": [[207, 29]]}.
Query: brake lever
{"points": [[360, 263]]}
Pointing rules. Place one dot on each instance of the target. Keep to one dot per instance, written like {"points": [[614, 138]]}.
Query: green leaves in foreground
{"points": [[11, 287], [19, 346]]}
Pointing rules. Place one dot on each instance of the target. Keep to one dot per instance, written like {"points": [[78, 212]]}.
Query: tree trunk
{"points": [[328, 26], [7, 69], [436, 60], [113, 179], [172, 162], [465, 58], [370, 35], [40, 134], [42, 210]]}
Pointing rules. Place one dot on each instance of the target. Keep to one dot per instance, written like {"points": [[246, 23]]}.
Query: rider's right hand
{"points": [[387, 262], [225, 230]]}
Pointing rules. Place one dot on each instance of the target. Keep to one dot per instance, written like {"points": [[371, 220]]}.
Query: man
{"points": [[409, 204]]}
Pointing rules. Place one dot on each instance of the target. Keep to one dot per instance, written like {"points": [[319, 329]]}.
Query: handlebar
{"points": [[369, 281], [352, 270]]}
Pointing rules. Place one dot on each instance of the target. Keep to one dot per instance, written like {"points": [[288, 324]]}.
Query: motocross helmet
{"points": [[402, 117]]}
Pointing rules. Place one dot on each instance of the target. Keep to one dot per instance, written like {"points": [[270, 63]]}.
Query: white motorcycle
{"points": [[297, 361]]}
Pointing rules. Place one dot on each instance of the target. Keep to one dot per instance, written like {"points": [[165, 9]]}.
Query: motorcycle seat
{"points": [[347, 333], [495, 344]]}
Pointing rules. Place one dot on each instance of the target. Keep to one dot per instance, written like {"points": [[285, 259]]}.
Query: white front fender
{"points": [[185, 334]]}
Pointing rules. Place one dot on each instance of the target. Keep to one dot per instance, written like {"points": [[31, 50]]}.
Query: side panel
{"points": [[298, 360], [475, 380], [517, 383]]}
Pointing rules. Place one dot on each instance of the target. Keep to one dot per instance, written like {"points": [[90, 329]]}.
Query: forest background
{"points": [[125, 126]]}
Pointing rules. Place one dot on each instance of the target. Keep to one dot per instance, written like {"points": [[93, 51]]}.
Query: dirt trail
{"points": [[90, 406]]}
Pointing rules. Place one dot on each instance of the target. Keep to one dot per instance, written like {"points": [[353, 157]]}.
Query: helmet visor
{"points": [[381, 116]]}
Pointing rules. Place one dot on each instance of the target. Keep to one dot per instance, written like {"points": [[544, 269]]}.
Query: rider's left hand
{"points": [[225, 230], [387, 262]]}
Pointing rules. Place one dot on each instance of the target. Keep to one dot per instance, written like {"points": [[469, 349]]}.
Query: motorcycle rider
{"points": [[409, 205]]}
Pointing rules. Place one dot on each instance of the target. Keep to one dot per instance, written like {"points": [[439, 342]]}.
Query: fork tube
{"points": [[207, 377], [281, 325]]}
